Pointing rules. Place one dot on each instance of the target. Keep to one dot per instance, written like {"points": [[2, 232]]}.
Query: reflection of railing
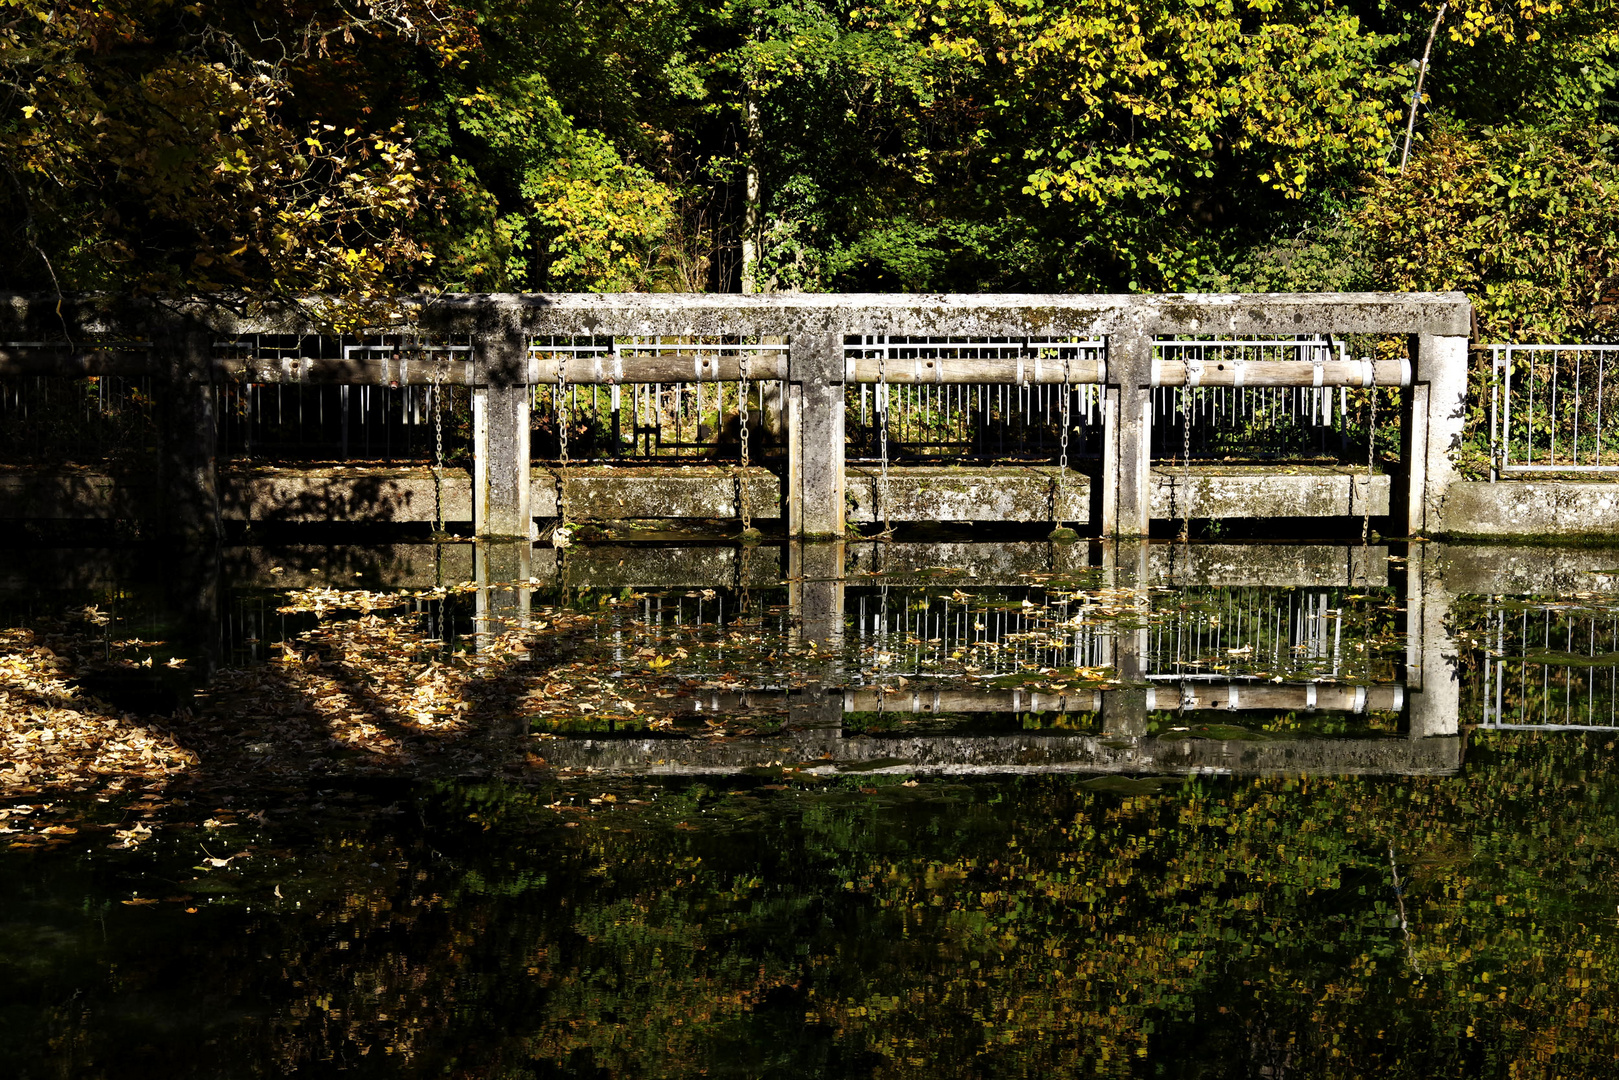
{"points": [[1552, 670], [1208, 634], [1554, 408]]}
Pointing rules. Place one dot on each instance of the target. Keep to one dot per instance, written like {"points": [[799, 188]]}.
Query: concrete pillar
{"points": [[1432, 662], [500, 448], [1434, 414], [1127, 436], [188, 437], [815, 454]]}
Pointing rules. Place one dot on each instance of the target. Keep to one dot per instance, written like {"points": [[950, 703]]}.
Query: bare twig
{"points": [[1416, 97]]}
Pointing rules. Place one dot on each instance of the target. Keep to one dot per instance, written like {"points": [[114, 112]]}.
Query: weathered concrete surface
{"points": [[617, 567], [68, 493], [343, 494], [965, 563], [653, 492], [1516, 570], [956, 493], [1260, 491], [348, 494], [1531, 509], [1277, 565], [501, 483], [40, 317], [827, 751], [951, 314]]}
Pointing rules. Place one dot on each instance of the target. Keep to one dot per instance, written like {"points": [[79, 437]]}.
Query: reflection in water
{"points": [[830, 812]]}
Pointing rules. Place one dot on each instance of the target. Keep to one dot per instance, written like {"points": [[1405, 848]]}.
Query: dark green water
{"points": [[785, 920]]}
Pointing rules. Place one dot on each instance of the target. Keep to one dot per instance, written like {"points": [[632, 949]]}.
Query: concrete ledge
{"points": [[642, 492], [1268, 491], [349, 494], [964, 493], [1531, 509]]}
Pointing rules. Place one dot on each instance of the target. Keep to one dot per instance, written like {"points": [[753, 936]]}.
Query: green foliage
{"points": [[880, 144], [155, 147], [1525, 221]]}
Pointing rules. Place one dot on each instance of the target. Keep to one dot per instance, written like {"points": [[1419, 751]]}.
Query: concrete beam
{"points": [[1268, 491], [954, 493], [995, 315], [1127, 435], [651, 492], [815, 505], [39, 317], [1436, 415], [1530, 509]]}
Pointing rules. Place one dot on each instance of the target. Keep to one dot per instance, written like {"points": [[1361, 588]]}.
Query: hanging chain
{"points": [[440, 370], [559, 403], [1186, 465], [1371, 453], [1062, 442], [742, 470], [882, 421]]}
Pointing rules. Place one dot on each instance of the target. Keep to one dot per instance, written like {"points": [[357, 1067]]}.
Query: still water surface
{"points": [[942, 811]]}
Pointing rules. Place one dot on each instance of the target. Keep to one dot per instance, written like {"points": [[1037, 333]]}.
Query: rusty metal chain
{"points": [[563, 419], [1186, 465], [742, 470], [1371, 454], [440, 370], [1062, 440], [882, 420]]}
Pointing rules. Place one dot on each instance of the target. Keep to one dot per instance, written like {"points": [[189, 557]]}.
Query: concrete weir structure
{"points": [[812, 488]]}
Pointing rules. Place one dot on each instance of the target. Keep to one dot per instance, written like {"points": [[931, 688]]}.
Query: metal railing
{"points": [[45, 420], [925, 394], [1264, 399], [364, 397], [1554, 409], [626, 398]]}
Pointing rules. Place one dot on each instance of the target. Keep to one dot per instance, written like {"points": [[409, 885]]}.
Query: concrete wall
{"points": [[1521, 509], [1271, 491]]}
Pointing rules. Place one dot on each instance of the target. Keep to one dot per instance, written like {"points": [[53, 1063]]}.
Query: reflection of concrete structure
{"points": [[816, 580], [504, 599], [824, 751]]}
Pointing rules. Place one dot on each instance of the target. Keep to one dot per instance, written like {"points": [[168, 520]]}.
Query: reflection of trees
{"points": [[1027, 927], [1024, 926]]}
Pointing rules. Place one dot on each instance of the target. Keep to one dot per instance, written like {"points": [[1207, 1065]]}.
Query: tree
{"points": [[159, 147]]}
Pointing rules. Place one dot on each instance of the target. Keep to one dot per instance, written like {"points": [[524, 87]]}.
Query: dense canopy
{"points": [[352, 148]]}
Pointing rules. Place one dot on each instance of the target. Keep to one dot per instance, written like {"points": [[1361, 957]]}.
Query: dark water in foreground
{"points": [[871, 913]]}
